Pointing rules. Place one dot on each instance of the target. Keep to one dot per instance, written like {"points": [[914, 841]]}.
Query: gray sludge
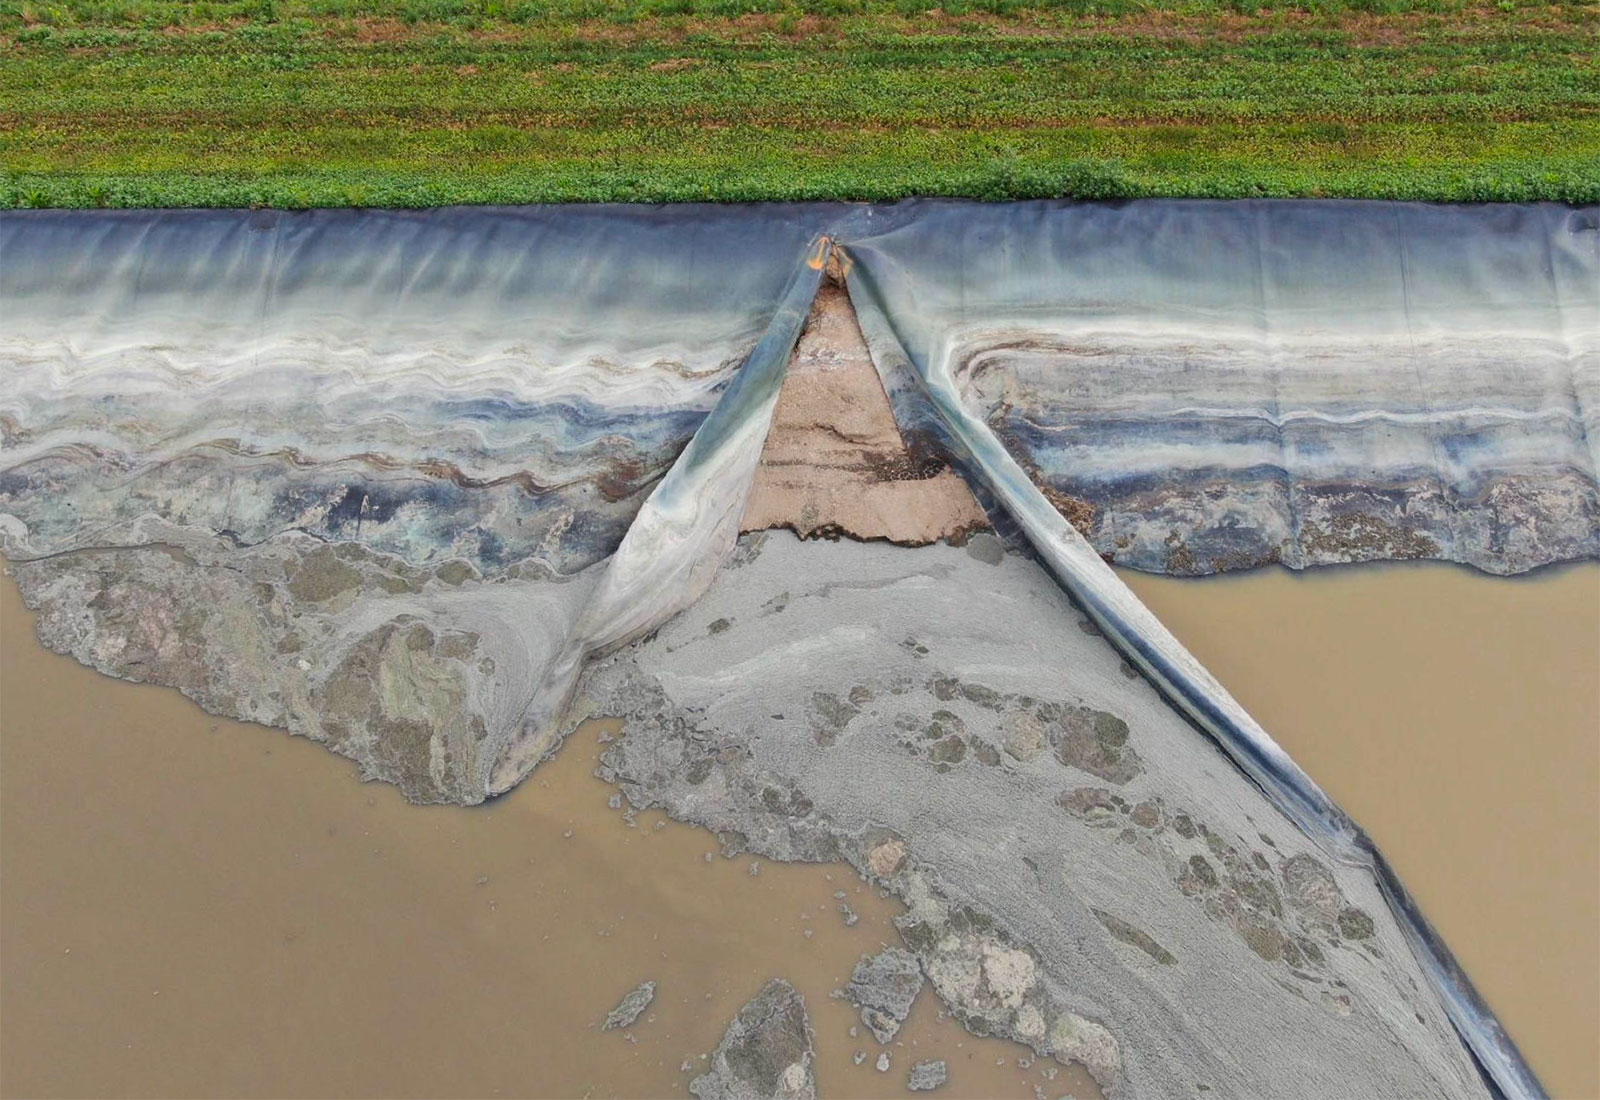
{"points": [[390, 479], [1082, 873], [884, 985]]}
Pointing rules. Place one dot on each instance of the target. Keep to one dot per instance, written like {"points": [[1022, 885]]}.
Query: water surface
{"points": [[1457, 717], [198, 907], [193, 906]]}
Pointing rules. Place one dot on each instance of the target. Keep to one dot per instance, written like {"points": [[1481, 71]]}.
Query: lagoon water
{"points": [[1457, 717], [200, 907]]}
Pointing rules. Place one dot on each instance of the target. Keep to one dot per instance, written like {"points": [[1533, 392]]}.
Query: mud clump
{"points": [[996, 986], [1094, 806], [1096, 742], [1355, 924], [1135, 937], [926, 1076], [886, 858], [767, 1054], [830, 715], [883, 987], [631, 1007], [322, 576]]}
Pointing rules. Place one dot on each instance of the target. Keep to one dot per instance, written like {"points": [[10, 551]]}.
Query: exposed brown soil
{"points": [[835, 463]]}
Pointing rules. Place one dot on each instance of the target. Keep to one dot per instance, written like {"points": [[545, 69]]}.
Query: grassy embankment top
{"points": [[425, 102]]}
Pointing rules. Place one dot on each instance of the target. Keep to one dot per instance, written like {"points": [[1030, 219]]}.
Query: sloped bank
{"points": [[405, 633]]}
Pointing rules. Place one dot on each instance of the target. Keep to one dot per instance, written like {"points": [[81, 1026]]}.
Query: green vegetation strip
{"points": [[429, 102]]}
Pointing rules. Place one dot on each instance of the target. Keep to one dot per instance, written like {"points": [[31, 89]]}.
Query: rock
{"points": [[883, 987], [926, 1076], [767, 1052], [632, 1005], [883, 1062]]}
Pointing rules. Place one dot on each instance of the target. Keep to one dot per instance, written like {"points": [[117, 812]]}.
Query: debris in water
{"points": [[883, 987], [631, 1007], [925, 1076]]}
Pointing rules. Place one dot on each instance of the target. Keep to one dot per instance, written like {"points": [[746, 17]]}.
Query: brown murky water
{"points": [[1457, 717], [196, 907], [192, 906]]}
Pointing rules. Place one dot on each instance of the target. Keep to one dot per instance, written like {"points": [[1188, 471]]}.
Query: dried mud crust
{"points": [[1197, 516], [418, 674], [1197, 527], [1082, 872], [835, 464]]}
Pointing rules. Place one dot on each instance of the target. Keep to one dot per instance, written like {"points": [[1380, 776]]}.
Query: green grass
{"points": [[427, 102]]}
